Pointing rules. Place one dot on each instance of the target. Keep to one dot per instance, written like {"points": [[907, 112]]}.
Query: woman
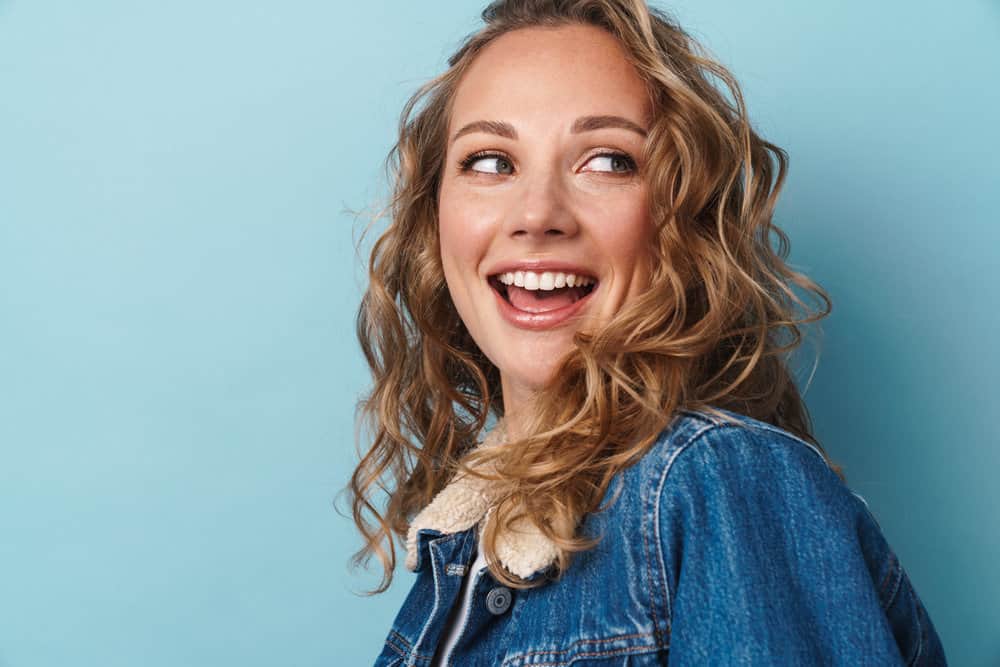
{"points": [[579, 249]]}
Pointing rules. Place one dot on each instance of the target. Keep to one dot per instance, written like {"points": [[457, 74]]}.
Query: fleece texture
{"points": [[467, 501]]}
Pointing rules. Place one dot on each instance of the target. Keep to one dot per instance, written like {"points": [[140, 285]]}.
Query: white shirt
{"points": [[461, 612]]}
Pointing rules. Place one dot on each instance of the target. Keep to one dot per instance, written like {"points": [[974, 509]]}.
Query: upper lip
{"points": [[540, 266]]}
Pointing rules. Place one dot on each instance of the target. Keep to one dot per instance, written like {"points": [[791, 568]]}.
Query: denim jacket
{"points": [[730, 542]]}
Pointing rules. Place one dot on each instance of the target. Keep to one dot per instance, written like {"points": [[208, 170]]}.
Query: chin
{"points": [[535, 371]]}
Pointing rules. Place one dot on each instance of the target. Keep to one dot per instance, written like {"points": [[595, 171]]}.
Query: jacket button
{"points": [[498, 600]]}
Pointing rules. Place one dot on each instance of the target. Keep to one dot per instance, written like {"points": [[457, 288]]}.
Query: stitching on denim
{"points": [[444, 539], [634, 635], [638, 635], [649, 574], [422, 656], [464, 627], [894, 568], [448, 537], [658, 496], [629, 650], [399, 651], [765, 426], [404, 642], [868, 508], [414, 655], [888, 573], [920, 626]]}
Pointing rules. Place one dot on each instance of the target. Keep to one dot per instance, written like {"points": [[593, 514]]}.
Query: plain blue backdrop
{"points": [[178, 283]]}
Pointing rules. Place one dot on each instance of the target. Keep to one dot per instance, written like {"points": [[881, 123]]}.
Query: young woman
{"points": [[583, 421]]}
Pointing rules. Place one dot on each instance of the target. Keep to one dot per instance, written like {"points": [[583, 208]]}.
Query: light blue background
{"points": [[178, 285]]}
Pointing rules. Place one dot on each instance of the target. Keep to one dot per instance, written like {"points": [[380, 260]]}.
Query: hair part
{"points": [[715, 329]]}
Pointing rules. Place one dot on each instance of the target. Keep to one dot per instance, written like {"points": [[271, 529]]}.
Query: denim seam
{"points": [[399, 650], [764, 426], [652, 582], [509, 662], [868, 508], [414, 655], [710, 426], [656, 514], [920, 626], [403, 642], [466, 613], [894, 568]]}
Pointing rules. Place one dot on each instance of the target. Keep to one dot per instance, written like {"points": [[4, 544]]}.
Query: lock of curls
{"points": [[715, 328]]}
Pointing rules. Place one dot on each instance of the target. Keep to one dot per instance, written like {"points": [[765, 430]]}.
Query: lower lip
{"points": [[539, 321]]}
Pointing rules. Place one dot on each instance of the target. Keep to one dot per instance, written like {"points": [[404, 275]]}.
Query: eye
{"points": [[491, 163], [612, 163]]}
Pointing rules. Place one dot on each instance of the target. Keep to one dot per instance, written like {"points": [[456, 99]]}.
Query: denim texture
{"points": [[726, 544]]}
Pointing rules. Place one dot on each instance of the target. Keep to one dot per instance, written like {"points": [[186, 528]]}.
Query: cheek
{"points": [[452, 242], [464, 238], [465, 232], [626, 234]]}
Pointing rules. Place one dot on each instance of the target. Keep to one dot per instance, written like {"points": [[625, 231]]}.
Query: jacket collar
{"points": [[467, 501]]}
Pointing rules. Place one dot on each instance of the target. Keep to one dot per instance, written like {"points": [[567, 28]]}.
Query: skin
{"points": [[552, 194]]}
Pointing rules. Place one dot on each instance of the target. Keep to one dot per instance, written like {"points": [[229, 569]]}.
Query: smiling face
{"points": [[544, 223]]}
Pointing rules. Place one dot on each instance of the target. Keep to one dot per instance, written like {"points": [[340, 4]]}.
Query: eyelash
{"points": [[465, 165]]}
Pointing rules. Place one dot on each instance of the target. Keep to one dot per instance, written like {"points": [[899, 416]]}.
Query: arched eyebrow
{"points": [[582, 124], [590, 123]]}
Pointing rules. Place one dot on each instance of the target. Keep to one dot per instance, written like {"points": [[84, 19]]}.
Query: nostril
{"points": [[518, 233]]}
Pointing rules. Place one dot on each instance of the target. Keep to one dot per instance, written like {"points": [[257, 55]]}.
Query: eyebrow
{"points": [[582, 124]]}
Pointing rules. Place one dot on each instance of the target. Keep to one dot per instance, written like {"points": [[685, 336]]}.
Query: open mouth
{"points": [[542, 292]]}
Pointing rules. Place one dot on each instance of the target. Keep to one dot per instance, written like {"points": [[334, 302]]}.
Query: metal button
{"points": [[498, 600]]}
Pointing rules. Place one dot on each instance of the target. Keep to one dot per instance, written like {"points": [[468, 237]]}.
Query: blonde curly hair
{"points": [[715, 328]]}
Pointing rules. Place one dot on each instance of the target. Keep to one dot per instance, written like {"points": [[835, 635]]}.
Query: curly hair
{"points": [[714, 329]]}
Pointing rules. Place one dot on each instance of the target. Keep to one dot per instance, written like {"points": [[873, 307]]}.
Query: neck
{"points": [[516, 401]]}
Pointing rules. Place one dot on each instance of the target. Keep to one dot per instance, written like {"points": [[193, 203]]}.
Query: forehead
{"points": [[551, 73]]}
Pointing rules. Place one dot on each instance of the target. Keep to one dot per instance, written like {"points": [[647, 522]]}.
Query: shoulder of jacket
{"points": [[721, 437]]}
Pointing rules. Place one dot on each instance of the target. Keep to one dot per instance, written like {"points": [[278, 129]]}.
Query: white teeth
{"points": [[547, 280]]}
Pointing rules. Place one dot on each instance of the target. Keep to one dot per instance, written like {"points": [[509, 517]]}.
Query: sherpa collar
{"points": [[466, 501]]}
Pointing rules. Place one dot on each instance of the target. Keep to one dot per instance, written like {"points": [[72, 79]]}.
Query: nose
{"points": [[543, 211]]}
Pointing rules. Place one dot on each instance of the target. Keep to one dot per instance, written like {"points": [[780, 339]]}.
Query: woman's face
{"points": [[544, 224]]}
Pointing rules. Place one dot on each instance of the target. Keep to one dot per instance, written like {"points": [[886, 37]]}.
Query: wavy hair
{"points": [[715, 328]]}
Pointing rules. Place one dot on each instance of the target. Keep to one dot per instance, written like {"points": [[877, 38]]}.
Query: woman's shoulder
{"points": [[730, 447], [723, 459], [746, 516], [729, 432]]}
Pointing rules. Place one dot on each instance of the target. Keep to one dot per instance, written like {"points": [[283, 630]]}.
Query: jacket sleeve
{"points": [[770, 559]]}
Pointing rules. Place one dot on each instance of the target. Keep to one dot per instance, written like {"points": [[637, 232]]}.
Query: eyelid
{"points": [[465, 164], [613, 153]]}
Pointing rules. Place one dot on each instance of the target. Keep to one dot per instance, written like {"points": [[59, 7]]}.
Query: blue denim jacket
{"points": [[728, 543]]}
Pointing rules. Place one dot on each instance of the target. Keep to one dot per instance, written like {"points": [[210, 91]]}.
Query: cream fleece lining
{"points": [[466, 501]]}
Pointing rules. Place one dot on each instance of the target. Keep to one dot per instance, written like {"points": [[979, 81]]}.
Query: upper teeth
{"points": [[546, 280]]}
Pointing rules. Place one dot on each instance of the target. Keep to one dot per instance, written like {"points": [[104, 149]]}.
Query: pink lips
{"points": [[538, 321]]}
